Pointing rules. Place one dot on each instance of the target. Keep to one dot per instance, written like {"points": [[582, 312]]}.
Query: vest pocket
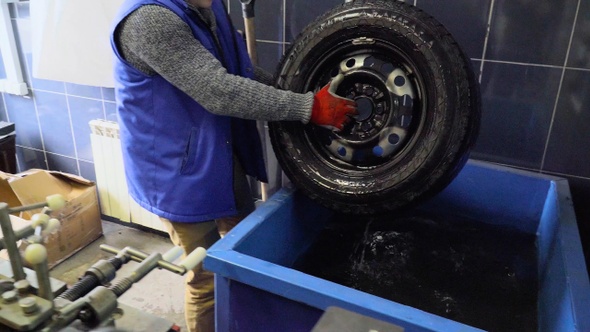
{"points": [[190, 152]]}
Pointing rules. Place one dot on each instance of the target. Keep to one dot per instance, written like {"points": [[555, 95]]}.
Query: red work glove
{"points": [[330, 110]]}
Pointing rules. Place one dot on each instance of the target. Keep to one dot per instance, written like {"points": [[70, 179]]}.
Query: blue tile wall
{"points": [[83, 110], [475, 16], [108, 94], [23, 113], [567, 149], [31, 158], [83, 91], [268, 17], [299, 13], [518, 103], [531, 31], [62, 163], [269, 55], [110, 109], [532, 58], [87, 170], [54, 120], [578, 55]]}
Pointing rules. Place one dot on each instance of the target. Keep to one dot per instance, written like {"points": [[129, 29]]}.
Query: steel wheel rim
{"points": [[389, 91]]}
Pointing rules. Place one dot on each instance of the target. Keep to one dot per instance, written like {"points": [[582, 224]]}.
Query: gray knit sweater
{"points": [[156, 41]]}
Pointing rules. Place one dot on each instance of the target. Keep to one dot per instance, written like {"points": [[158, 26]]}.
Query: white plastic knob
{"points": [[39, 219], [52, 226], [55, 202], [35, 253], [194, 258], [173, 254]]}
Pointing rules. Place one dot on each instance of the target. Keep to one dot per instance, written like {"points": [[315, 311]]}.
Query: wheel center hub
{"points": [[365, 109], [384, 97]]}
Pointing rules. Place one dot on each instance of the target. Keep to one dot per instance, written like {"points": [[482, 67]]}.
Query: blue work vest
{"points": [[177, 155]]}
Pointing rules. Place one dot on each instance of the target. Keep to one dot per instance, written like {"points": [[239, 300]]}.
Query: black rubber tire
{"points": [[430, 120]]}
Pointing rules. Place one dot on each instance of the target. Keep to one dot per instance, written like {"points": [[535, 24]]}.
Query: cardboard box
{"points": [[80, 218]]}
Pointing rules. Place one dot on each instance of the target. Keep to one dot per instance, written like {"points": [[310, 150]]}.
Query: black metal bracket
{"points": [[248, 8]]}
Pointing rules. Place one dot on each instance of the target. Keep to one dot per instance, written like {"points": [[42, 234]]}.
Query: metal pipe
{"points": [[250, 31], [28, 207], [161, 262], [19, 234], [139, 256], [42, 270], [10, 243], [66, 315], [36, 255]]}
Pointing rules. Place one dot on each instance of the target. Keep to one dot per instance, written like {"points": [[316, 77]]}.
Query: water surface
{"points": [[477, 274]]}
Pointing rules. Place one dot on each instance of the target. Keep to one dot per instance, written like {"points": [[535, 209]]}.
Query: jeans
{"points": [[199, 302]]}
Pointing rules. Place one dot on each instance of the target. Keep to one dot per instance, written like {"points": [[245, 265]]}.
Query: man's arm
{"points": [[156, 41]]}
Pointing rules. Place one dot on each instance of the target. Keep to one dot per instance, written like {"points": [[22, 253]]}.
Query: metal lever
{"points": [[188, 263], [53, 202], [36, 255], [98, 305]]}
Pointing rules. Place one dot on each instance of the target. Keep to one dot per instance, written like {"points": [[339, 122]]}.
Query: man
{"points": [[186, 104]]}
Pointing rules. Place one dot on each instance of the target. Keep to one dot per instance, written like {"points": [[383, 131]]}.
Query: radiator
{"points": [[114, 197]]}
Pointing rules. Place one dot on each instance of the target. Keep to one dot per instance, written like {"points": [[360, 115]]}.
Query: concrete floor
{"points": [[160, 293]]}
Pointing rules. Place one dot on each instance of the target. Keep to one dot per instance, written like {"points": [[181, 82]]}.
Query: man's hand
{"points": [[330, 110]]}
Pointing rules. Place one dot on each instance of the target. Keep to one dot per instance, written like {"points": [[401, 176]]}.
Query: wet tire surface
{"points": [[419, 108]]}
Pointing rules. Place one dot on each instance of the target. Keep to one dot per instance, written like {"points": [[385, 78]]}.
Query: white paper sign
{"points": [[70, 40]]}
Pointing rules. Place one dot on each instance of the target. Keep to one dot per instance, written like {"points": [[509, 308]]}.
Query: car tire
{"points": [[418, 101]]}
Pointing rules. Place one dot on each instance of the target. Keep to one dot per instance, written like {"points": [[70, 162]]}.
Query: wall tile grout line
{"points": [[8, 117], [53, 153], [577, 69], [532, 64], [284, 47], [104, 108], [40, 131], [72, 129], [558, 174], [519, 63], [556, 103], [32, 96], [486, 39], [77, 96], [563, 175]]}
